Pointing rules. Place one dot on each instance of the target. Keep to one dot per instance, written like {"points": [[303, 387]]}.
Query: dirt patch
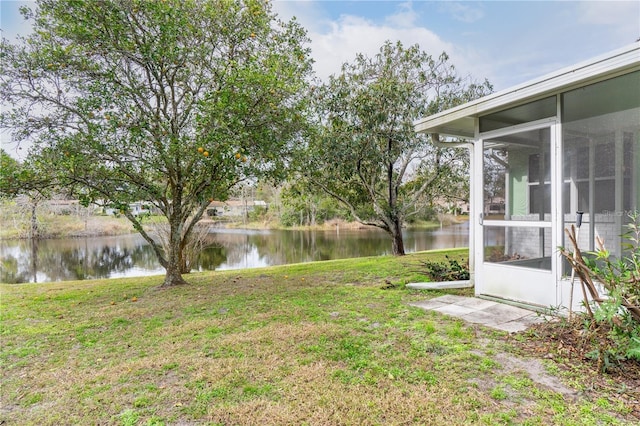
{"points": [[536, 372], [565, 345]]}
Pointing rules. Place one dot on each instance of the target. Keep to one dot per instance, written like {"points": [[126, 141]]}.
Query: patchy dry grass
{"points": [[57, 226], [325, 343]]}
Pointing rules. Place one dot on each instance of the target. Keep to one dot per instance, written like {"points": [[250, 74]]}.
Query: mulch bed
{"points": [[567, 344]]}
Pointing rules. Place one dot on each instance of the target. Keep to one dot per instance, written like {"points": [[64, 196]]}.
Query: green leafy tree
{"points": [[168, 102], [9, 172], [304, 207], [366, 153], [31, 179]]}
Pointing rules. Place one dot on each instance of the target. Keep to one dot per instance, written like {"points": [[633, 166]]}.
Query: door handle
{"points": [[480, 218]]}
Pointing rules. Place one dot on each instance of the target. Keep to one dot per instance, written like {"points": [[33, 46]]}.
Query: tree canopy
{"points": [[9, 172], [366, 152], [31, 178], [168, 102]]}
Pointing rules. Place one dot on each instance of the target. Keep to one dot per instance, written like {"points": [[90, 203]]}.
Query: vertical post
{"points": [[557, 200], [541, 182], [592, 194], [472, 211], [618, 192], [476, 229], [635, 172], [573, 271]]}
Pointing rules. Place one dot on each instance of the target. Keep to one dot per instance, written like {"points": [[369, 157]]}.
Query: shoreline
{"points": [[65, 226]]}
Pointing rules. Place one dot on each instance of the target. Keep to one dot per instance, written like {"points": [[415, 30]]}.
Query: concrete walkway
{"points": [[480, 311]]}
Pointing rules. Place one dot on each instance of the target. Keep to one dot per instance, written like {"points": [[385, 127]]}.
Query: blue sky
{"points": [[507, 42]]}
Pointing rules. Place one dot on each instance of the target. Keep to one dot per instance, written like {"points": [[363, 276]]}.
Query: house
{"points": [[234, 208], [547, 149], [62, 206], [450, 206], [138, 208]]}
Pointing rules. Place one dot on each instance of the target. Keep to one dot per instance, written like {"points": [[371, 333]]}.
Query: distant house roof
{"points": [[236, 203], [230, 203], [63, 202], [460, 121]]}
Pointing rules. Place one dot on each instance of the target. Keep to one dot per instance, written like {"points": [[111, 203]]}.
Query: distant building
{"points": [[451, 206], [495, 206], [63, 207], [138, 208], [233, 208]]}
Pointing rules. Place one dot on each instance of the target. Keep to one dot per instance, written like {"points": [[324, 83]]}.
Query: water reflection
{"points": [[130, 255]]}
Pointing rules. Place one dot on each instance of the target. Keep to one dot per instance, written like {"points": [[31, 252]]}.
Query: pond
{"points": [[130, 255]]}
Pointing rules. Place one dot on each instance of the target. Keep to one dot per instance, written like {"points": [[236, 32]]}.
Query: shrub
{"points": [[612, 321], [258, 213], [451, 270]]}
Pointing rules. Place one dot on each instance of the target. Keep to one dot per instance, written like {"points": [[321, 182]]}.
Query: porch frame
{"points": [[463, 122]]}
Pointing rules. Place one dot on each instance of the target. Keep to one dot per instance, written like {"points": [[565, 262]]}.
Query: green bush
{"points": [[611, 323], [451, 270], [258, 213]]}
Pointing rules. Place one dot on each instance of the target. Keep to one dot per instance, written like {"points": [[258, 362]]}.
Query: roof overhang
{"points": [[460, 121]]}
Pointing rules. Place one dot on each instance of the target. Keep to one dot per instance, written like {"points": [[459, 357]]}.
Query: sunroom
{"points": [[557, 151]]}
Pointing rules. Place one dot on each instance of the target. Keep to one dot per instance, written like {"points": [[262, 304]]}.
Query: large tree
{"points": [[366, 153], [10, 170], [168, 102], [30, 179]]}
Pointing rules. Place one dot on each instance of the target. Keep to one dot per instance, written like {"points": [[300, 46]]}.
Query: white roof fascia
{"points": [[456, 121]]}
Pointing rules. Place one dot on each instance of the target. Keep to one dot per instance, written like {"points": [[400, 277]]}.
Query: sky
{"points": [[505, 42]]}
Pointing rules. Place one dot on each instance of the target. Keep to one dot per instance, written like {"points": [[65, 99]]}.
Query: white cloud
{"points": [[351, 35], [405, 17], [334, 42], [622, 17], [464, 12], [607, 13]]}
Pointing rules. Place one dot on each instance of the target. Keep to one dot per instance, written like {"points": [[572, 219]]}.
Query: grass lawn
{"points": [[324, 343]]}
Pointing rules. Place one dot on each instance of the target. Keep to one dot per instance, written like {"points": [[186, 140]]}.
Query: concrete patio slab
{"points": [[450, 298], [479, 317], [507, 313], [475, 303], [454, 310], [489, 313]]}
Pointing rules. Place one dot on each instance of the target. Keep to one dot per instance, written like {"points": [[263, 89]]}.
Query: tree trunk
{"points": [[34, 220], [398, 241], [173, 276], [174, 255]]}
